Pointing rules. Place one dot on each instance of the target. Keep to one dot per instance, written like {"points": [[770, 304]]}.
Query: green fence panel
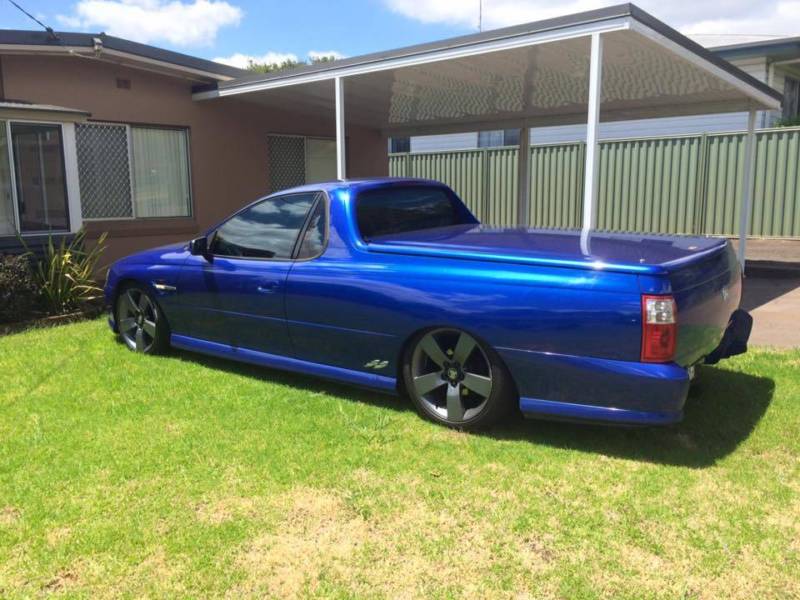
{"points": [[649, 185], [556, 185], [723, 191], [776, 184], [501, 187], [685, 184]]}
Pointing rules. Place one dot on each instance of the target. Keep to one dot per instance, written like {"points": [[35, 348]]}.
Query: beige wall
{"points": [[227, 136]]}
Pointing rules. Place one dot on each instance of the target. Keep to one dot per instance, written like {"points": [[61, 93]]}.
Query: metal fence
{"points": [[682, 184]]}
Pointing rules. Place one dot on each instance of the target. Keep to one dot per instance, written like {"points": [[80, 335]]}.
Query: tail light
{"points": [[659, 328]]}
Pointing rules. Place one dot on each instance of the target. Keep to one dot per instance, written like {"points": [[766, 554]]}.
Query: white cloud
{"points": [[192, 23], [694, 17], [243, 60], [317, 54]]}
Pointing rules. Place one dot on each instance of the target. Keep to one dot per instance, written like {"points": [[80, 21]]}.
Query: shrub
{"points": [[65, 274], [788, 122], [19, 292]]}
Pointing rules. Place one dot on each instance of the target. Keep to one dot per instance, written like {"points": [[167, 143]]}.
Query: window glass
{"points": [[160, 172], [396, 210], [39, 169], [268, 229], [314, 237], [320, 160], [400, 144]]}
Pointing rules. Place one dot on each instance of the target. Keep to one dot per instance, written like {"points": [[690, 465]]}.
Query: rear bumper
{"points": [[594, 389]]}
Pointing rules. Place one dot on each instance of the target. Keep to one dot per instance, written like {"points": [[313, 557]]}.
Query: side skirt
{"points": [[369, 380], [533, 407]]}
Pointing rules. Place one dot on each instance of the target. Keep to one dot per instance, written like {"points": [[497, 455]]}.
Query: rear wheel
{"points": [[139, 321], [455, 380]]}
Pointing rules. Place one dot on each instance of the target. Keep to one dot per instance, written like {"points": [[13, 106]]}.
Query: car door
{"points": [[236, 294]]}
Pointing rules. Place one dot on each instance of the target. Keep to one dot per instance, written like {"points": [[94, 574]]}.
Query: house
{"points": [[103, 133], [774, 61]]}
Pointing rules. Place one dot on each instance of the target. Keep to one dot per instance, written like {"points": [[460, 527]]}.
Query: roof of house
{"points": [[583, 18], [774, 49], [114, 47]]}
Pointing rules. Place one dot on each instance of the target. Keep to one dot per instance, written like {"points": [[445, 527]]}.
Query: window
{"points": [[160, 172], [397, 210], [313, 242], [131, 171], [33, 179], [104, 171], [296, 160], [503, 137], [791, 98], [268, 229], [400, 144], [320, 160]]}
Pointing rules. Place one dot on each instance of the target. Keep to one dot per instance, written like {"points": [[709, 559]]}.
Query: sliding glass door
{"points": [[40, 177]]}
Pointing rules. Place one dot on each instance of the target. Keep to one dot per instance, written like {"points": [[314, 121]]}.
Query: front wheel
{"points": [[455, 380], [139, 321]]}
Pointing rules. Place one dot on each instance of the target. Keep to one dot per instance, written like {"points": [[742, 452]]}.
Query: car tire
{"points": [[456, 380], [141, 323]]}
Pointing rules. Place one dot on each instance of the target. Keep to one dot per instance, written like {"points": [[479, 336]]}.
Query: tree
{"points": [[286, 64]]}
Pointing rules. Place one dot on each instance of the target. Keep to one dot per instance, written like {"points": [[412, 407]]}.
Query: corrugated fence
{"points": [[686, 184]]}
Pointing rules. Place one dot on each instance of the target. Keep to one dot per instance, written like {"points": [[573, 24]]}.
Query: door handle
{"points": [[268, 287]]}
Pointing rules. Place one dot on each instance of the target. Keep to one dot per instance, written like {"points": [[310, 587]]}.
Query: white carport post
{"points": [[341, 166], [592, 165], [747, 186]]}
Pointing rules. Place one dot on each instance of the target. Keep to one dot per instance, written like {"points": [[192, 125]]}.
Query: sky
{"points": [[234, 31]]}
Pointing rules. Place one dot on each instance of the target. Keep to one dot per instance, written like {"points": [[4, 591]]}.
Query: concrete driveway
{"points": [[775, 306]]}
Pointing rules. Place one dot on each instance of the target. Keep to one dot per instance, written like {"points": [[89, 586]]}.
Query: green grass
{"points": [[128, 475]]}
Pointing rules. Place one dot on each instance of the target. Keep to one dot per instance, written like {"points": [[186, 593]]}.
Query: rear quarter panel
{"points": [[707, 293]]}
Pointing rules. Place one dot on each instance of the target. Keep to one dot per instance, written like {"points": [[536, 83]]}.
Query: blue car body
{"points": [[562, 310]]}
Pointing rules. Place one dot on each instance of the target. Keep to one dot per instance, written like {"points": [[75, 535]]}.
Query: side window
{"points": [[387, 210], [268, 229], [313, 242]]}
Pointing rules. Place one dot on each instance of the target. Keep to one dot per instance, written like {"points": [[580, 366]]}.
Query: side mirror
{"points": [[199, 247]]}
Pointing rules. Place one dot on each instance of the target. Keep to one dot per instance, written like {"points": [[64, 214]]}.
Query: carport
{"points": [[611, 64]]}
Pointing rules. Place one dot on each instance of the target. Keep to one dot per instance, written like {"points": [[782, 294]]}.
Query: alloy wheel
{"points": [[451, 375], [137, 320]]}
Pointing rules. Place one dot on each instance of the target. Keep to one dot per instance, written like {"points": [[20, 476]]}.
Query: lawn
{"points": [[130, 475]]}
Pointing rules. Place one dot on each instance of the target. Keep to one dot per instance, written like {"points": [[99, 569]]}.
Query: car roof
{"points": [[357, 184]]}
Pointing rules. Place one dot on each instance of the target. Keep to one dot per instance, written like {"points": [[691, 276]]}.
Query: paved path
{"points": [[775, 306]]}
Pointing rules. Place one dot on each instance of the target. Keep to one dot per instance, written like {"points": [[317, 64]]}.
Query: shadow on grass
{"points": [[722, 410]]}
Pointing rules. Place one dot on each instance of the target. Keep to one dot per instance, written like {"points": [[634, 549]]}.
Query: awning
{"points": [[10, 109], [611, 64], [537, 73]]}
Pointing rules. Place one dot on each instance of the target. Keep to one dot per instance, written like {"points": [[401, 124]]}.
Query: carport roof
{"points": [[530, 74]]}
